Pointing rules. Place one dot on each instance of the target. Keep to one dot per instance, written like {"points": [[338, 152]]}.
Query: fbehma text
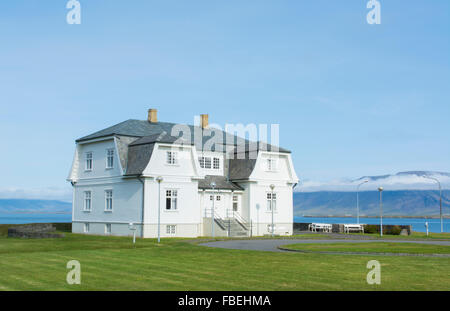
{"points": [[225, 301]]}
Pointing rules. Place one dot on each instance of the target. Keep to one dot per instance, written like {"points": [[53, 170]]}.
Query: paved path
{"points": [[272, 245]]}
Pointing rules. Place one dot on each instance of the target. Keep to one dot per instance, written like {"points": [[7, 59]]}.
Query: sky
{"points": [[351, 99]]}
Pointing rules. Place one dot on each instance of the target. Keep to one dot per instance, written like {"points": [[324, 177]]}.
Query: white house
{"points": [[125, 173]]}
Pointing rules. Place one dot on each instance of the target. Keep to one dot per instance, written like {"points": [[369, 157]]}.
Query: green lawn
{"points": [[373, 247], [110, 263]]}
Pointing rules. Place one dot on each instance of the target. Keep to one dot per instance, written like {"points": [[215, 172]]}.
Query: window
{"points": [[171, 200], [171, 229], [271, 165], [207, 163], [88, 166], [211, 197], [108, 200], [108, 228], [269, 201], [86, 228], [216, 163], [110, 158], [87, 201], [235, 203], [171, 158], [218, 198]]}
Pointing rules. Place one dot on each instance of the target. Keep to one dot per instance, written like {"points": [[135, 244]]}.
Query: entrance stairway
{"points": [[233, 224], [236, 229]]}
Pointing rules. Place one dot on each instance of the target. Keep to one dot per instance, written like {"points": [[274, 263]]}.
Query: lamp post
{"points": [[440, 200], [272, 186], [380, 189], [159, 179], [213, 186], [357, 199]]}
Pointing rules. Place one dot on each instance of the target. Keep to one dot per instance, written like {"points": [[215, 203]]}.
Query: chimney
{"points": [[204, 121], [152, 116]]}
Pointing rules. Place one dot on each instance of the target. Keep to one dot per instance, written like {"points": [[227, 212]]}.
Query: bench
{"points": [[353, 228], [320, 227]]}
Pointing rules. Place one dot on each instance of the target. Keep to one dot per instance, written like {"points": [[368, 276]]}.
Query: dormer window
{"points": [[88, 165], [109, 158], [171, 158], [208, 162]]}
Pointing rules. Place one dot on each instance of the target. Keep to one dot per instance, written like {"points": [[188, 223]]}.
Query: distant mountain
{"points": [[398, 203], [34, 206], [410, 180]]}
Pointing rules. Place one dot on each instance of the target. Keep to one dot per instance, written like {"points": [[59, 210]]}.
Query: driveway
{"points": [[272, 245]]}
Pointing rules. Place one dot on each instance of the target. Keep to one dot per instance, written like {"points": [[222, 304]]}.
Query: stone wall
{"points": [[34, 231]]}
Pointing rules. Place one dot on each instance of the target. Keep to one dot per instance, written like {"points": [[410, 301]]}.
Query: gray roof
{"points": [[136, 140], [222, 183], [222, 141], [241, 169], [160, 138], [138, 158]]}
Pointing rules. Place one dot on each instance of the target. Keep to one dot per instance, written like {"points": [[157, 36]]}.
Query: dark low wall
{"points": [[301, 226], [389, 229], [34, 231]]}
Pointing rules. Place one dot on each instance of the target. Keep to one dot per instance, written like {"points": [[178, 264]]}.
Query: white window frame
{"points": [[269, 201], [272, 165], [218, 197], [88, 161], [216, 163], [87, 198], [201, 161], [109, 158], [208, 163], [235, 201], [86, 227], [171, 229], [171, 157], [171, 194], [109, 196], [108, 228]]}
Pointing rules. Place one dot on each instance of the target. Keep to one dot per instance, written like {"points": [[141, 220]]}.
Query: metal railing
{"points": [[217, 218], [239, 219]]}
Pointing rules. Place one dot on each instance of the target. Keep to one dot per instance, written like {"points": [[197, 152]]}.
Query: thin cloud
{"points": [[400, 181], [46, 193]]}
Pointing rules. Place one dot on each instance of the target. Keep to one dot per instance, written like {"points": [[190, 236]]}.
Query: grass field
{"points": [[373, 247], [110, 263]]}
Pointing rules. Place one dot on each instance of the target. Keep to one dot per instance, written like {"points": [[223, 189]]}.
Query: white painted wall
{"points": [[127, 202], [182, 177], [99, 169]]}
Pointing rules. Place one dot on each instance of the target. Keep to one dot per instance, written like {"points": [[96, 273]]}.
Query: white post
{"points": [[271, 207], [213, 186], [381, 210], [159, 179], [440, 200], [357, 200]]}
